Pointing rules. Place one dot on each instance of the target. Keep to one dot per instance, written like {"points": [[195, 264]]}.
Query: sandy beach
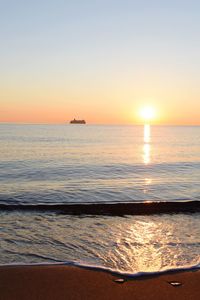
{"points": [[66, 282]]}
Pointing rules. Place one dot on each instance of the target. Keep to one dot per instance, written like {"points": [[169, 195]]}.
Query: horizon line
{"points": [[97, 124]]}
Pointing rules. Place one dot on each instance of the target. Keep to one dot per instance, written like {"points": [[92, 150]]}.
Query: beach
{"points": [[68, 282]]}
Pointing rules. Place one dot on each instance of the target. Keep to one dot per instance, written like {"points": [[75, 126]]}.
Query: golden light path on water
{"points": [[146, 146], [146, 245]]}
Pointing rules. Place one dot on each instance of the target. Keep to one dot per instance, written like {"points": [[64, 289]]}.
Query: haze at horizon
{"points": [[99, 60]]}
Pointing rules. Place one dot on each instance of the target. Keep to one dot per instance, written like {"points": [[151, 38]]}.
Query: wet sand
{"points": [[66, 282]]}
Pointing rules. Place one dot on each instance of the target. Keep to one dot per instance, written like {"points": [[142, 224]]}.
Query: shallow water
{"points": [[129, 244], [77, 164]]}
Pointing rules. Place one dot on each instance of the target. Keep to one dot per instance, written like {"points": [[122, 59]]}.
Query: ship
{"points": [[77, 121]]}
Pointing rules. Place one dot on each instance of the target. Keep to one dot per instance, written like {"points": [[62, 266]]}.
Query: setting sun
{"points": [[147, 113]]}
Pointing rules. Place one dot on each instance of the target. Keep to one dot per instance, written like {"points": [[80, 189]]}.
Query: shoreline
{"points": [[73, 282], [97, 268]]}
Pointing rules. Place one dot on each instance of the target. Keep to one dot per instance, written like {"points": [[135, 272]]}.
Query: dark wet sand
{"points": [[65, 282]]}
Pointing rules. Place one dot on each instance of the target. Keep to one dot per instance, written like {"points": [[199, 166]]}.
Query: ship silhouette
{"points": [[77, 121]]}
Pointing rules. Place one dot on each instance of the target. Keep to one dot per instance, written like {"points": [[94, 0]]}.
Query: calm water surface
{"points": [[78, 164]]}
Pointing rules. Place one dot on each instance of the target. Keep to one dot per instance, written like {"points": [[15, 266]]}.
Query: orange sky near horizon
{"points": [[57, 113], [114, 106]]}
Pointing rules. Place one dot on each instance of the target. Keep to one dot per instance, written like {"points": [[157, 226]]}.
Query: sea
{"points": [[45, 169]]}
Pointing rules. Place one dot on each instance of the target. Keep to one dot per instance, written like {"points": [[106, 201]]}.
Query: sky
{"points": [[99, 60]]}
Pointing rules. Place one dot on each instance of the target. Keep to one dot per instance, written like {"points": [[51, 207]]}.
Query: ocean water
{"points": [[78, 164]]}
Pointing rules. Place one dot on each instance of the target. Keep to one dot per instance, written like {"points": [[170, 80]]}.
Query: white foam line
{"points": [[108, 270]]}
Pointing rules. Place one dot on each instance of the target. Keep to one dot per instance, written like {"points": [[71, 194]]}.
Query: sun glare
{"points": [[147, 113]]}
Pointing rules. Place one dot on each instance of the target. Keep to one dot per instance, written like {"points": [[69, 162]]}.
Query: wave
{"points": [[113, 209], [125, 275]]}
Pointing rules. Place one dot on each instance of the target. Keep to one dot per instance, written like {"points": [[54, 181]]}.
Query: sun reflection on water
{"points": [[146, 146], [149, 244], [147, 133], [145, 236]]}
